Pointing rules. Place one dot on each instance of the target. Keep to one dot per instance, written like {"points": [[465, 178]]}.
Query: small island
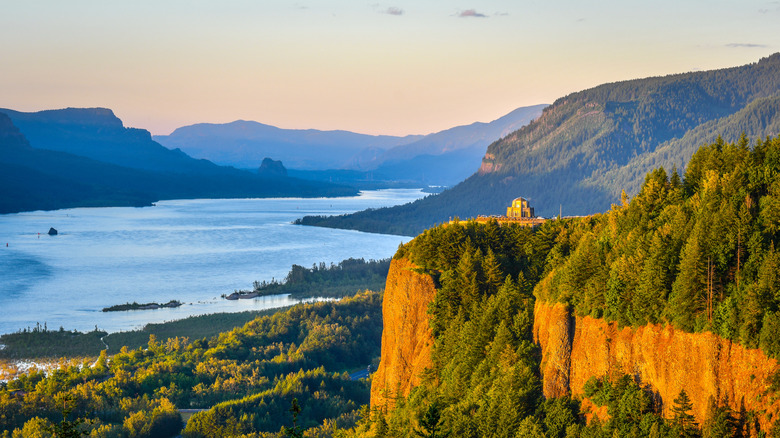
{"points": [[242, 295], [147, 306]]}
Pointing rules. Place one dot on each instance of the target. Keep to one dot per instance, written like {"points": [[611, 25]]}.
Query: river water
{"points": [[188, 250]]}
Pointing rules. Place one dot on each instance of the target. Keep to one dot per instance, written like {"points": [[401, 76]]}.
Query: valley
{"points": [[642, 301]]}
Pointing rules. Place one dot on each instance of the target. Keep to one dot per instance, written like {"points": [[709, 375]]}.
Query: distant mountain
{"points": [[442, 158], [589, 146], [98, 134], [450, 156], [244, 144], [32, 179], [474, 138], [84, 157]]}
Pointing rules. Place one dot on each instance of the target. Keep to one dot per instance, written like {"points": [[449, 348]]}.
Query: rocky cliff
{"points": [[406, 339], [575, 349]]}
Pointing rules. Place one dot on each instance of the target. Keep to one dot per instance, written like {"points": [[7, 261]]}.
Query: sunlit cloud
{"points": [[471, 13], [388, 10], [746, 46]]}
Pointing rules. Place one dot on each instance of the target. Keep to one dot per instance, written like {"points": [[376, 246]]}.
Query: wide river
{"points": [[188, 250]]}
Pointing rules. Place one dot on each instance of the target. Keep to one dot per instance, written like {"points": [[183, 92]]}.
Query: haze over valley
{"points": [[342, 220]]}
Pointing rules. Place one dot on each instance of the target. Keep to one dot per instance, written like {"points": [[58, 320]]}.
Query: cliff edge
{"points": [[407, 339], [575, 348]]}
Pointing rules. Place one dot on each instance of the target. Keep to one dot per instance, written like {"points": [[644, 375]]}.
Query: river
{"points": [[188, 250]]}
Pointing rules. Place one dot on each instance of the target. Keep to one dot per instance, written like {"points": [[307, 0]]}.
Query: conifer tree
{"points": [[295, 431], [684, 420]]}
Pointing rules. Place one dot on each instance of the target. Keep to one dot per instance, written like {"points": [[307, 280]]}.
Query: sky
{"points": [[396, 68]]}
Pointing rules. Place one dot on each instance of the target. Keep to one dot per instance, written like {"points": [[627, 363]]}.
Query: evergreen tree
{"points": [[67, 428], [428, 421], [295, 431], [684, 421]]}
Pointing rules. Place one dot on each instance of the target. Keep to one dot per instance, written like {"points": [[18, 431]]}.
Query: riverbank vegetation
{"points": [[345, 278], [245, 378], [39, 343], [697, 252], [334, 281]]}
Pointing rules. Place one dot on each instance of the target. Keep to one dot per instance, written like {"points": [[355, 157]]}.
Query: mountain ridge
{"points": [[434, 158], [63, 166], [243, 143], [477, 134], [588, 146], [656, 318]]}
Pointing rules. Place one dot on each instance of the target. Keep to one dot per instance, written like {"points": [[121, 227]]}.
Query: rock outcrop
{"points": [[574, 349], [407, 339], [272, 168]]}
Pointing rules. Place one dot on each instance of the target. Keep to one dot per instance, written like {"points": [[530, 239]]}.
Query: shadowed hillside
{"points": [[589, 146], [86, 158]]}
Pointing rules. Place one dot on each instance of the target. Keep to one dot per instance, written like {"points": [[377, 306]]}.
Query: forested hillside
{"points": [[245, 380], [589, 146], [697, 252], [694, 253]]}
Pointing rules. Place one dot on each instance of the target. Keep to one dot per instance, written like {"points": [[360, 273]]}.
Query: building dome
{"points": [[520, 209]]}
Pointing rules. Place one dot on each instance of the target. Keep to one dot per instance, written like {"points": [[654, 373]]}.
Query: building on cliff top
{"points": [[520, 209], [520, 212]]}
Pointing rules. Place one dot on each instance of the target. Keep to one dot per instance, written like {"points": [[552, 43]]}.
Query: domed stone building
{"points": [[520, 209]]}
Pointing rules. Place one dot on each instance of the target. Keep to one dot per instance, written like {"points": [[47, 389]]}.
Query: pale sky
{"points": [[397, 67]]}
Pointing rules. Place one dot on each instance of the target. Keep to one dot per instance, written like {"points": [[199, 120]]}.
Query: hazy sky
{"points": [[398, 67]]}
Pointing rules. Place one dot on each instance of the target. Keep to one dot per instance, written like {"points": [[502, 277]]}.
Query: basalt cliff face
{"points": [[406, 339], [575, 348]]}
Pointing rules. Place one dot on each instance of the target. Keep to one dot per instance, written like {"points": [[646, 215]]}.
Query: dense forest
{"points": [[697, 252], [244, 380], [337, 280], [589, 146]]}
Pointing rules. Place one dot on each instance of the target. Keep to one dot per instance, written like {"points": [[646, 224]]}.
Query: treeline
{"points": [[485, 378], [40, 343], [696, 251], [246, 378], [336, 281]]}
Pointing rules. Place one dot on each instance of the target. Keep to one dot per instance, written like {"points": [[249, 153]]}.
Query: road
{"points": [[362, 374]]}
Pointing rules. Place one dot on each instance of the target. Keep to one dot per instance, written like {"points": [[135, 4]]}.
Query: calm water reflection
{"points": [[189, 250]]}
